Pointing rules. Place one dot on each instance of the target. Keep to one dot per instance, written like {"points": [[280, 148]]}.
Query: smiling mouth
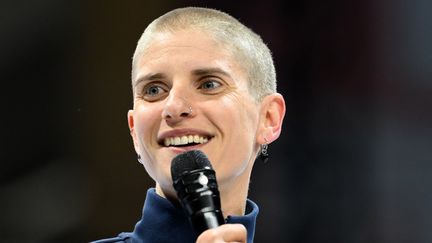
{"points": [[187, 140]]}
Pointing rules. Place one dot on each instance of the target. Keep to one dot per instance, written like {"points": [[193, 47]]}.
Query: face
{"points": [[190, 93]]}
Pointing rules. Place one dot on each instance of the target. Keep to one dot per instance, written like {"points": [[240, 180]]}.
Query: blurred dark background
{"points": [[353, 163]]}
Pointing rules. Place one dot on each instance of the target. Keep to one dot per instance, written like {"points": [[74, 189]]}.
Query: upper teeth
{"points": [[182, 140]]}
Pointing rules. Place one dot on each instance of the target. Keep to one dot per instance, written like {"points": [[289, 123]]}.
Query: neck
{"points": [[233, 201], [234, 194]]}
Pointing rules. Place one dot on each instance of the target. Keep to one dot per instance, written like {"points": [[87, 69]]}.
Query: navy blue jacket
{"points": [[164, 222]]}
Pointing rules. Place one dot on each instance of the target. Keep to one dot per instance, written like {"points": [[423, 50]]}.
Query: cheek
{"points": [[146, 120], [240, 118], [237, 123]]}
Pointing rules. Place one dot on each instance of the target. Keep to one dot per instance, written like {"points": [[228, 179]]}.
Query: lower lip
{"points": [[179, 150]]}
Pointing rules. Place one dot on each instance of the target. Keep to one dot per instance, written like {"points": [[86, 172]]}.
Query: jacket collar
{"points": [[163, 221]]}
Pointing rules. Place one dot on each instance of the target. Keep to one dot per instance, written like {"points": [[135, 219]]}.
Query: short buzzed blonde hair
{"points": [[246, 46]]}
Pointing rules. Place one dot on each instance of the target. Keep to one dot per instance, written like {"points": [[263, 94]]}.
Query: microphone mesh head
{"points": [[188, 161]]}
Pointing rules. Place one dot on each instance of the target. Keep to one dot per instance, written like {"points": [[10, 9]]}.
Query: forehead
{"points": [[185, 49], [192, 42]]}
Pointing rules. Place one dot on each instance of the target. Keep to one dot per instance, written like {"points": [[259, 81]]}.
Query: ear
{"points": [[271, 117], [131, 124]]}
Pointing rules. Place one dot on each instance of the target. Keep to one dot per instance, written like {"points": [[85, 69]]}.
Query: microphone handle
{"points": [[207, 218], [199, 196]]}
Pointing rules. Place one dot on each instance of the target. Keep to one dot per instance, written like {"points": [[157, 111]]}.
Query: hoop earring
{"points": [[264, 156], [139, 158]]}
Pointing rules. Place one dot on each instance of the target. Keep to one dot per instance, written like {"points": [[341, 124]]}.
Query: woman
{"points": [[201, 80]]}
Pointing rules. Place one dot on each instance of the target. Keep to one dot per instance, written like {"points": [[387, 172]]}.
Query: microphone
{"points": [[195, 182]]}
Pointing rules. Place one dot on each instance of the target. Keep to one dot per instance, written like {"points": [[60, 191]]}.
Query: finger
{"points": [[234, 232], [224, 233]]}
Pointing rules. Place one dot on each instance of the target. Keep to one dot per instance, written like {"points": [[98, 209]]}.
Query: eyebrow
{"points": [[150, 77], [210, 71]]}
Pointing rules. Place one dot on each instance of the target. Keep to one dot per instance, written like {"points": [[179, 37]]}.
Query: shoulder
{"points": [[109, 240], [121, 238]]}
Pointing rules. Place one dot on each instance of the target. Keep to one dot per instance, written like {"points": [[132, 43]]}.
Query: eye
{"points": [[154, 91], [210, 85]]}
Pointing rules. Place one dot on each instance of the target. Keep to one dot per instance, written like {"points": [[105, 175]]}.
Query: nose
{"points": [[177, 108]]}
